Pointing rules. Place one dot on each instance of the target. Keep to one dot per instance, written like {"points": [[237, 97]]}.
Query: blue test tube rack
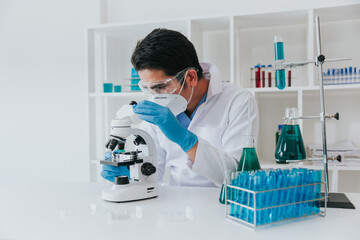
{"points": [[264, 197]]}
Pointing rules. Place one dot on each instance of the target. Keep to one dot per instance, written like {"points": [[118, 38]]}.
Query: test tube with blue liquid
{"points": [[337, 78], [341, 76], [279, 203], [333, 71], [279, 56], [346, 79], [328, 77], [350, 75]]}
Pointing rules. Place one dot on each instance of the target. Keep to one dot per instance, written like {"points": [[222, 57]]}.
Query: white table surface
{"points": [[76, 211]]}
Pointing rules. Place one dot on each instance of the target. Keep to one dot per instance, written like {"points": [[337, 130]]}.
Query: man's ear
{"points": [[192, 78]]}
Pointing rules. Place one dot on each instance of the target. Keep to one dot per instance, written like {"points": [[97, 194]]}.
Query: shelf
{"points": [[120, 94], [305, 89], [274, 90]]}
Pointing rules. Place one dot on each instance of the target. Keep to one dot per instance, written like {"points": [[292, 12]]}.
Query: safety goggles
{"points": [[167, 86]]}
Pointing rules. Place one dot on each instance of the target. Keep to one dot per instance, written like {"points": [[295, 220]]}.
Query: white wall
{"points": [[43, 98], [134, 11]]}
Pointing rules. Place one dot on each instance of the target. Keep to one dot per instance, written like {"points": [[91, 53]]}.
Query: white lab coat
{"points": [[228, 114]]}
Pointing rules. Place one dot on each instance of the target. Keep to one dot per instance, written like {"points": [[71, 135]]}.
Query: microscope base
{"points": [[130, 192]]}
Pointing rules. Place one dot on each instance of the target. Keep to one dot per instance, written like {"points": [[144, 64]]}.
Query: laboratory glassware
{"points": [[117, 88], [263, 76], [277, 134], [290, 146], [279, 58], [108, 87], [222, 197], [289, 78], [269, 75], [249, 160], [267, 196], [257, 76]]}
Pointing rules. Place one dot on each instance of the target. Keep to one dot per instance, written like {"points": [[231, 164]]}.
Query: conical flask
{"points": [[222, 197], [290, 146], [249, 160]]}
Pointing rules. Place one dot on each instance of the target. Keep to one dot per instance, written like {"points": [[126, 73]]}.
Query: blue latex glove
{"points": [[167, 122], [110, 172]]}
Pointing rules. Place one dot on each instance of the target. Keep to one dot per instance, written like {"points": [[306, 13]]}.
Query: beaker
{"points": [[290, 146], [249, 160]]}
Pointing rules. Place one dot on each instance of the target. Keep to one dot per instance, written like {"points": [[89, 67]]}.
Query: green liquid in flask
{"points": [[222, 194], [290, 146], [249, 160]]}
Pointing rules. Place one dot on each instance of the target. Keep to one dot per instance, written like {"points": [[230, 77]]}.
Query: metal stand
{"points": [[320, 59]]}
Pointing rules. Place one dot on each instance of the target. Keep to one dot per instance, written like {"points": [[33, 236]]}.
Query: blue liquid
{"points": [[280, 79], [280, 74], [274, 179], [290, 146]]}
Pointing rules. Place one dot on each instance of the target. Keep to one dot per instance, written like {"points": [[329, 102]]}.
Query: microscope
{"points": [[142, 183]]}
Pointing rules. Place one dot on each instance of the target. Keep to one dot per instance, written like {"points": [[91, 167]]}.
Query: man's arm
{"points": [[211, 161]]}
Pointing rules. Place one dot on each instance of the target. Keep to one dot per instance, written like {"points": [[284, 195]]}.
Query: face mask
{"points": [[175, 102]]}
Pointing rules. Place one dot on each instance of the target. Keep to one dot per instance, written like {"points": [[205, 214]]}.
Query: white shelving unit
{"points": [[235, 43]]}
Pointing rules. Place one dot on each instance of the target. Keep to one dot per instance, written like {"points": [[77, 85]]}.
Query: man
{"points": [[206, 139]]}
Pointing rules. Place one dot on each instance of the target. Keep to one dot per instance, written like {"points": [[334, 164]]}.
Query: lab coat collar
{"points": [[212, 73]]}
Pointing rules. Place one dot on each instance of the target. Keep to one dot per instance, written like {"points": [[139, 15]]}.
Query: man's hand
{"points": [[167, 122], [110, 172]]}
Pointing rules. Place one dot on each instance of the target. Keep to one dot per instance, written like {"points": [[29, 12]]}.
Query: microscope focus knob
{"points": [[121, 180], [147, 169]]}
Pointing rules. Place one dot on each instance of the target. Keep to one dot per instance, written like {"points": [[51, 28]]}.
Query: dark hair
{"points": [[165, 50]]}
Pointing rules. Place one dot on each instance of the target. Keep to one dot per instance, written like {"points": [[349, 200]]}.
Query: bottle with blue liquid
{"points": [[279, 56]]}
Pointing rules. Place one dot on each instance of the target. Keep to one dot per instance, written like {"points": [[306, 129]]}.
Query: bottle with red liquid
{"points": [[257, 76], [262, 75], [269, 70], [289, 78]]}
